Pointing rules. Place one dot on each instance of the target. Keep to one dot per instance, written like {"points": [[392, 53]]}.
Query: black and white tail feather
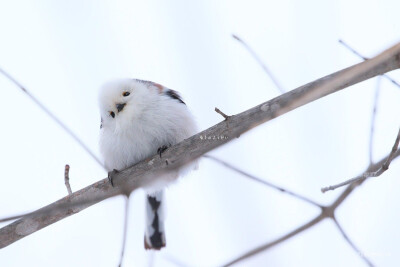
{"points": [[137, 118], [154, 236]]}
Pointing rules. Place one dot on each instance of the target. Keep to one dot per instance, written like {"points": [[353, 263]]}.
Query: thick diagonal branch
{"points": [[146, 171]]}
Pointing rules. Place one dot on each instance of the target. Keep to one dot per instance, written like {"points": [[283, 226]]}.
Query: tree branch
{"points": [[279, 240], [365, 58], [221, 113], [257, 58], [52, 116], [374, 111], [352, 245], [264, 182], [66, 179], [326, 212], [367, 175], [145, 172]]}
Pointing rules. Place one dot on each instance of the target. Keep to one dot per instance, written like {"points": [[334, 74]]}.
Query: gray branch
{"points": [[265, 68], [366, 175], [279, 240], [326, 212], [66, 179], [147, 171], [264, 182], [365, 58], [351, 243], [52, 116]]}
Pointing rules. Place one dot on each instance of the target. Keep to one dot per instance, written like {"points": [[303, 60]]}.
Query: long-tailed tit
{"points": [[138, 119]]}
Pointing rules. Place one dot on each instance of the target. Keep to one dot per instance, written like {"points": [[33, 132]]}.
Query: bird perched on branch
{"points": [[139, 119]]}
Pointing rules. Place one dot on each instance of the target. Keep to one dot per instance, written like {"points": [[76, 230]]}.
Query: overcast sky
{"points": [[62, 51]]}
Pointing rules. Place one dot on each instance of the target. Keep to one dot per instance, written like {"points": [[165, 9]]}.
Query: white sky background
{"points": [[62, 51]]}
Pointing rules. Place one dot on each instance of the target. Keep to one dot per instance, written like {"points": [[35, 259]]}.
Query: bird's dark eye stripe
{"points": [[126, 93]]}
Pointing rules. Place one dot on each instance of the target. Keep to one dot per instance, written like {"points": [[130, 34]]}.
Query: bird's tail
{"points": [[155, 236]]}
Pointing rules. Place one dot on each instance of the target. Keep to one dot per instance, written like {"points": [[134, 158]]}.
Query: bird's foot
{"points": [[111, 175], [161, 150]]}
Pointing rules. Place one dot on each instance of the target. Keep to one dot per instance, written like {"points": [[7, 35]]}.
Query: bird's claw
{"points": [[161, 150], [111, 175]]}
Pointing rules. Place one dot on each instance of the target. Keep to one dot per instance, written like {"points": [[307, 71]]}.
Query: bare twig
{"points": [[278, 240], [371, 137], [257, 58], [365, 58], [125, 233], [367, 175], [351, 243], [53, 117], [351, 49], [147, 171], [221, 113], [262, 181], [66, 179], [327, 212]]}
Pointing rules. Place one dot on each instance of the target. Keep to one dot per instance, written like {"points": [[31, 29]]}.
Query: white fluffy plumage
{"points": [[137, 118]]}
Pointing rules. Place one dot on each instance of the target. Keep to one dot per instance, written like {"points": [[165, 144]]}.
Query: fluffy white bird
{"points": [[138, 119]]}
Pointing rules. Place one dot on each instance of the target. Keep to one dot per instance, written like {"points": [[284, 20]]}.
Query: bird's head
{"points": [[123, 100]]}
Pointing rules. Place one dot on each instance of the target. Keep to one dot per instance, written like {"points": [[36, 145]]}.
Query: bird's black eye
{"points": [[126, 93], [112, 114]]}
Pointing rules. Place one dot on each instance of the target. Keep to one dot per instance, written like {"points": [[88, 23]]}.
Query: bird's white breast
{"points": [[128, 141]]}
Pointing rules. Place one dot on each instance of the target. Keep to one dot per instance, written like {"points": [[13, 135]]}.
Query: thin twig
{"points": [[359, 253], [52, 116], [221, 113], [351, 49], [278, 241], [367, 175], [327, 212], [262, 181], [257, 58], [66, 179], [125, 233], [365, 58], [373, 117]]}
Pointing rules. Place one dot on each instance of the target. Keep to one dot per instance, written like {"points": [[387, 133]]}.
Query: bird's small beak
{"points": [[120, 107]]}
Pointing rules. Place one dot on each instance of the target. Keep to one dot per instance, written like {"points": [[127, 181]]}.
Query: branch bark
{"points": [[146, 171], [365, 58]]}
